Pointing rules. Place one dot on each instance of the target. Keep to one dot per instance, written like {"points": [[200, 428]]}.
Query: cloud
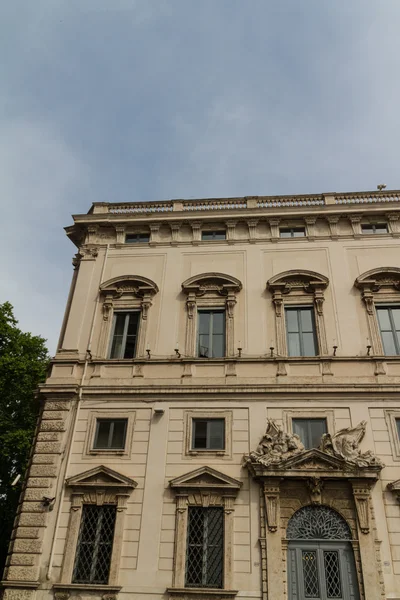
{"points": [[147, 99]]}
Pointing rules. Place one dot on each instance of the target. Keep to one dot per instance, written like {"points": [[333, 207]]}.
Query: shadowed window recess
{"points": [[205, 548], [211, 333], [95, 542], [124, 334], [137, 238], [292, 232], [213, 235], [110, 434], [374, 228], [208, 434]]}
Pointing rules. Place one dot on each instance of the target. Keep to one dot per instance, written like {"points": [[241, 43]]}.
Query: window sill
{"points": [[204, 452], [201, 592], [107, 452], [86, 587]]}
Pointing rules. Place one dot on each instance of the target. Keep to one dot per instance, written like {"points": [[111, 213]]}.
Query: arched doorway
{"points": [[321, 562]]}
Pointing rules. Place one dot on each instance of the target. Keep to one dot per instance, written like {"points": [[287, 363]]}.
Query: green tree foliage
{"points": [[23, 362]]}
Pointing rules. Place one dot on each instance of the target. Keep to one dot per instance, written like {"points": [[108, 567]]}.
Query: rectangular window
{"points": [[300, 329], [213, 235], [371, 228], [124, 334], [292, 232], [208, 434], [137, 238], [205, 548], [110, 434], [310, 431], [95, 542], [211, 333], [389, 324], [398, 427]]}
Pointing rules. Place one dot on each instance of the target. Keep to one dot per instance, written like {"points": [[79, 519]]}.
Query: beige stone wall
{"points": [[348, 388]]}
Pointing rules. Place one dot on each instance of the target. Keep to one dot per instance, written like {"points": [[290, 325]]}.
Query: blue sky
{"points": [[121, 100]]}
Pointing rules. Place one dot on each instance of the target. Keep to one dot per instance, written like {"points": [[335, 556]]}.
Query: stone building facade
{"points": [[222, 415]]}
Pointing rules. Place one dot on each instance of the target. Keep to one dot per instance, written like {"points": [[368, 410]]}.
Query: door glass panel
{"points": [[332, 574], [310, 574]]}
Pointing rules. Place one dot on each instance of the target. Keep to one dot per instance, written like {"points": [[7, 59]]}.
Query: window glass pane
{"points": [[317, 428], [388, 343], [398, 427], [218, 346], [309, 348], [381, 228], [131, 338], [119, 325], [306, 316], [300, 426], [213, 235], [384, 320], [137, 238], [294, 344], [119, 433], [367, 228], [292, 320], [199, 438], [216, 434], [396, 318], [285, 233], [102, 434], [299, 232], [204, 322], [218, 325], [204, 346]]}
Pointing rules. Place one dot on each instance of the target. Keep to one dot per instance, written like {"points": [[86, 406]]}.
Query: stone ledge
{"points": [[86, 587], [201, 593]]}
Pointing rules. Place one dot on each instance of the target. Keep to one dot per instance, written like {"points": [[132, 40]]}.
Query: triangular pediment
{"points": [[205, 478], [101, 477], [313, 459], [394, 486]]}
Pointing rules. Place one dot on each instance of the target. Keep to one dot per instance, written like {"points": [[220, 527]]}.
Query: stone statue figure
{"points": [[345, 444], [275, 446]]}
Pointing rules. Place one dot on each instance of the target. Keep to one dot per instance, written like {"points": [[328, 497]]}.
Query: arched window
{"points": [[298, 297], [126, 303], [380, 290], [317, 523], [211, 299]]}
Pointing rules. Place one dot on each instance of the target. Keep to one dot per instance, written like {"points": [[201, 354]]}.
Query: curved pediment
{"points": [[130, 284], [375, 279], [297, 278], [211, 282]]}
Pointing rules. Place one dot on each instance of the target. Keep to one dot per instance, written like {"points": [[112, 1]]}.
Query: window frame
{"points": [[112, 422], [136, 235], [206, 510], [291, 231], [127, 313], [298, 309], [204, 415], [388, 307], [370, 228], [107, 414], [392, 418], [208, 447], [309, 432], [316, 413], [211, 311], [213, 233]]}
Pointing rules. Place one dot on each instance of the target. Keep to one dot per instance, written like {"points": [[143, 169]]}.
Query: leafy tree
{"points": [[23, 362]]}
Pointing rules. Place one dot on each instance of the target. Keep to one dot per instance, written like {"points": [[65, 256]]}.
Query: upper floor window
{"points": [[372, 228], [211, 333], [110, 434], [291, 232], [398, 427], [208, 434], [219, 234], [300, 328], [95, 542], [137, 238], [310, 431], [389, 325], [124, 334], [205, 547]]}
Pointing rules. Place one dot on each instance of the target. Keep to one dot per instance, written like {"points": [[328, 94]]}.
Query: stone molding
{"points": [[210, 290], [298, 287], [126, 292], [378, 285], [203, 487]]}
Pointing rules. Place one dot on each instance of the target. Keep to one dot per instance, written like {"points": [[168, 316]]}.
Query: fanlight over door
{"points": [[320, 556]]}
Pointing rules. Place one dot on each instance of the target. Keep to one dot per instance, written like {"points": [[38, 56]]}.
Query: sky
{"points": [[137, 100]]}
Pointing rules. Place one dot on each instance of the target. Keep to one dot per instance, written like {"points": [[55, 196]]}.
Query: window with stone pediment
{"points": [[210, 304], [298, 298], [380, 292], [204, 532], [126, 302]]}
